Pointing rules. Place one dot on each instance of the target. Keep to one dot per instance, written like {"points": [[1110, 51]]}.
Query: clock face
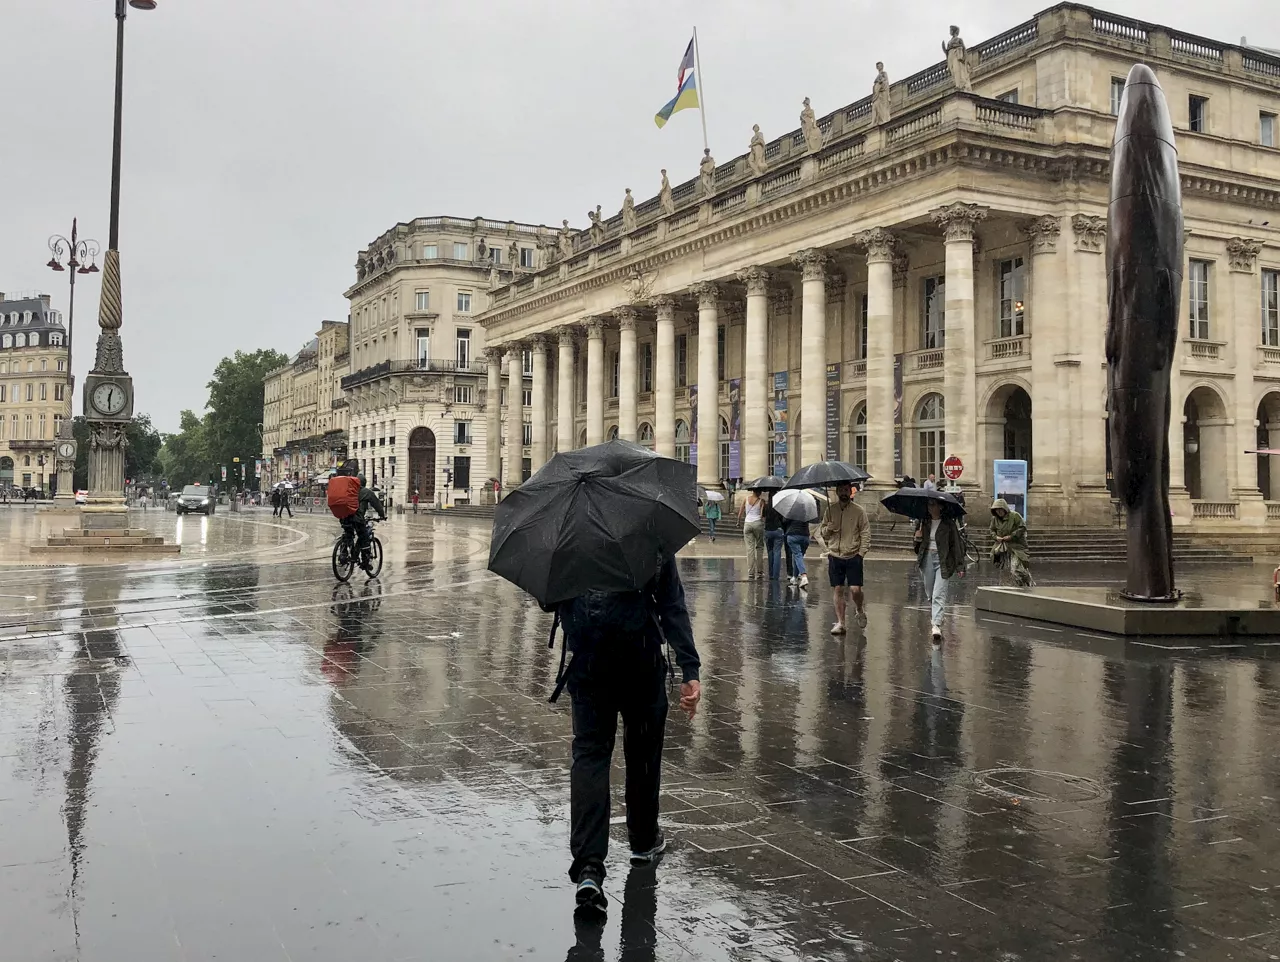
{"points": [[109, 399], [66, 450]]}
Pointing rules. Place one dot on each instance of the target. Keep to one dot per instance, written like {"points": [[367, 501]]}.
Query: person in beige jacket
{"points": [[846, 532]]}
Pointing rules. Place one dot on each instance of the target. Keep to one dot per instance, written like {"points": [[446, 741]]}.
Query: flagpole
{"points": [[702, 108]]}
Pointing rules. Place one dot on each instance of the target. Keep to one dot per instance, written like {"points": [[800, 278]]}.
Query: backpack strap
{"points": [[561, 676]]}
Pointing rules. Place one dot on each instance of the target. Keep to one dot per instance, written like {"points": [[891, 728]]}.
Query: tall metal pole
{"points": [[71, 326], [113, 239]]}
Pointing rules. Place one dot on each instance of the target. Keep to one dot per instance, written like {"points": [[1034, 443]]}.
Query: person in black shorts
{"points": [[847, 534]]}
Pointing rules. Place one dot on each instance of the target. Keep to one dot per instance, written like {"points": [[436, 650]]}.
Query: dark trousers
{"points": [[773, 543], [638, 693], [284, 506]]}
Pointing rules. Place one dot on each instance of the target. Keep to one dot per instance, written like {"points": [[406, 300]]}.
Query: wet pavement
{"points": [[230, 758]]}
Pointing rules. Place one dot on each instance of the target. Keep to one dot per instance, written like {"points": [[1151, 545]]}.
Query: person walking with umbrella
{"points": [[940, 554], [593, 536], [751, 514], [846, 532], [775, 538], [712, 513], [798, 509]]}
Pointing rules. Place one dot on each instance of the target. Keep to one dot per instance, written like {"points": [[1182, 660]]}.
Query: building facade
{"points": [[921, 274], [304, 429], [33, 385], [417, 388]]}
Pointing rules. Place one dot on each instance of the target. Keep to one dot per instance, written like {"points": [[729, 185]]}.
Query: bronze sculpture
{"points": [[1144, 284]]}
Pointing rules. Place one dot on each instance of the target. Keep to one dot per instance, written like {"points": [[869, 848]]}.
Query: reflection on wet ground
{"points": [[237, 760]]}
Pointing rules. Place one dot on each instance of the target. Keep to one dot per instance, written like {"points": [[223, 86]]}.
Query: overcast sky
{"points": [[268, 141]]}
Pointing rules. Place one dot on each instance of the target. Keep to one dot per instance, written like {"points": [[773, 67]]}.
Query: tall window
{"points": [[682, 360], [724, 449], [646, 367], [27, 425], [430, 252], [62, 364], [464, 348], [464, 302], [1012, 280], [613, 374], [526, 397], [1198, 114], [422, 301], [1198, 302], [42, 435], [933, 313], [1267, 129], [2, 392], [864, 313], [464, 394], [682, 441], [645, 435], [526, 363], [1009, 96], [30, 393], [1271, 308], [59, 392], [860, 438], [57, 425], [526, 433], [423, 336], [720, 340], [44, 391], [460, 252], [1117, 92], [495, 255], [461, 432], [526, 257], [931, 436], [44, 364]]}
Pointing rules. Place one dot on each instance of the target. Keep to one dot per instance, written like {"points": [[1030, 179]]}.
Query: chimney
{"points": [[47, 300]]}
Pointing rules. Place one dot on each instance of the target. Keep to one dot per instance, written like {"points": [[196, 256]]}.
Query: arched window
{"points": [[682, 441], [931, 436], [6, 340], [613, 434], [645, 434], [33, 339], [860, 438], [20, 340], [724, 449], [582, 438]]}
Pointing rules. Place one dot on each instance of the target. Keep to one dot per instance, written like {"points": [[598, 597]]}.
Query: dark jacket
{"points": [[950, 547], [370, 500], [772, 520], [795, 529]]}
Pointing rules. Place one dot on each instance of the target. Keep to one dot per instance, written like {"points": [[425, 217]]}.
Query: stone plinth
{"points": [[1105, 609]]}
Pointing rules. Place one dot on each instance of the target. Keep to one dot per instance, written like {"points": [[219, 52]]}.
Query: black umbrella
{"points": [[767, 483], [827, 474], [914, 503], [597, 519]]}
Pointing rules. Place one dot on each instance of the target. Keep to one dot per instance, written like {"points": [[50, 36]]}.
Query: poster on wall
{"points": [[833, 412], [735, 429], [1011, 484], [780, 424], [257, 467], [897, 416], [693, 424]]}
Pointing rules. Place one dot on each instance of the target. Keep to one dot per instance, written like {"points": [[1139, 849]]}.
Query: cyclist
{"points": [[360, 525]]}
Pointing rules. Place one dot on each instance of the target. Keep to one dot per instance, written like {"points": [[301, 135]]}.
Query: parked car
{"points": [[82, 497], [195, 497]]}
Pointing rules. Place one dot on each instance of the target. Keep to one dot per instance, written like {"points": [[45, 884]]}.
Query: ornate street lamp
{"points": [[108, 390], [78, 251]]}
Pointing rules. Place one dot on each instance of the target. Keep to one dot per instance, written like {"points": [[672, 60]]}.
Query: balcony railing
{"points": [[1215, 510], [1205, 350], [1269, 355], [428, 365], [1273, 510], [930, 360], [1004, 348], [858, 369]]}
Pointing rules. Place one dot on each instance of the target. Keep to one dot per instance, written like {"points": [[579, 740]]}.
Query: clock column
{"points": [[108, 406], [65, 462]]}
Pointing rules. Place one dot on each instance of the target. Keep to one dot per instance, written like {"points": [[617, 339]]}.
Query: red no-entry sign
{"points": [[953, 467]]}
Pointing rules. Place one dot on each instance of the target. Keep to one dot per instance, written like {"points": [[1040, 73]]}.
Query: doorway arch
{"points": [[1268, 437], [1205, 442], [6, 470], [422, 463]]}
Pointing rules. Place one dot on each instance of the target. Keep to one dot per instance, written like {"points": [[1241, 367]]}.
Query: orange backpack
{"points": [[344, 496]]}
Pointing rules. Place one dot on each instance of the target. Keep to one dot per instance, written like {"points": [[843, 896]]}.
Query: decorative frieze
{"points": [[1090, 231], [835, 282], [1242, 254], [780, 296], [901, 265]]}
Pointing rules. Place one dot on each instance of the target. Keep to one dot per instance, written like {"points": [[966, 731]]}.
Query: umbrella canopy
{"points": [[796, 505], [914, 503], [601, 518], [767, 483], [705, 495], [827, 474]]}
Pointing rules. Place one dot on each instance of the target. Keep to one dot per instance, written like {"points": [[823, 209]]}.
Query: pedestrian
{"points": [[931, 482], [940, 555], [847, 534], [619, 668], [775, 539], [797, 543], [1009, 542], [712, 513], [751, 514], [415, 500], [275, 502], [285, 497]]}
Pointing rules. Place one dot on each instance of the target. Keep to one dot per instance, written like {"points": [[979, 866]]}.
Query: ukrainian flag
{"points": [[687, 97]]}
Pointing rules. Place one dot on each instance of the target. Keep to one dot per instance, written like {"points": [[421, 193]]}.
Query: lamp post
{"points": [[78, 252], [108, 390]]}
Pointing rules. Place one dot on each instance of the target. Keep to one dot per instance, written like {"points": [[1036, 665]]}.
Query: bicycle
{"points": [[346, 555]]}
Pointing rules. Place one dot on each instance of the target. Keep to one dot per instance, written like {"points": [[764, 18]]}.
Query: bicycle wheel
{"points": [[375, 557], [344, 560]]}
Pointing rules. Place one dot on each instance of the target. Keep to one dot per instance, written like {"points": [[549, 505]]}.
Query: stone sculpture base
{"points": [[1105, 609], [124, 538]]}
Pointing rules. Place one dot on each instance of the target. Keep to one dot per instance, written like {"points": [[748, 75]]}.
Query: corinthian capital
{"points": [[812, 263], [567, 335], [756, 279], [665, 305], [1043, 233], [627, 317], [1242, 254], [708, 295], [959, 220], [594, 327], [538, 344], [879, 244]]}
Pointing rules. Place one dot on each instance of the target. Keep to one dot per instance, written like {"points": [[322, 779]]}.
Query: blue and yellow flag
{"points": [[686, 89]]}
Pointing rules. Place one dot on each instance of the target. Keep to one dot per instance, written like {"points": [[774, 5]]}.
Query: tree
{"points": [[183, 458]]}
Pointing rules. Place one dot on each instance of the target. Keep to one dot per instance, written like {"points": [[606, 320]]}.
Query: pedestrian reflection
{"points": [[639, 926], [588, 932], [344, 652]]}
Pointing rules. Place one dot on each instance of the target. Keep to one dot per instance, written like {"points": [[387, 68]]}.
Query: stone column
{"points": [[539, 451], [1089, 289], [880, 245], [958, 221], [515, 416], [492, 417], [627, 317], [664, 393], [813, 356], [565, 414], [755, 383], [708, 437], [1048, 316], [1244, 297], [595, 381]]}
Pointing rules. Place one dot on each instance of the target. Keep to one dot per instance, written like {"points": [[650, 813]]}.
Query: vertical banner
{"points": [[898, 469], [224, 472], [257, 467], [780, 425], [1011, 484], [735, 429], [833, 412], [693, 424]]}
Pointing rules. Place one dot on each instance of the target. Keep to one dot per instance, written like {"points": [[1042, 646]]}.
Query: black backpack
{"points": [[601, 618]]}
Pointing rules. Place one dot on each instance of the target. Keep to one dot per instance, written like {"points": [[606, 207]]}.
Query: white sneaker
{"points": [[804, 581], [837, 629], [860, 619], [792, 582], [937, 633]]}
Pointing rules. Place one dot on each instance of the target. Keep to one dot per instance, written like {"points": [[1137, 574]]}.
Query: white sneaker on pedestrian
{"points": [[860, 619], [791, 582], [937, 634], [804, 581], [837, 629]]}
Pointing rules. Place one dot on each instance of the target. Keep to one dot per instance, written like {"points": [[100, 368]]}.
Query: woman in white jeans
{"points": [[940, 554], [751, 514]]}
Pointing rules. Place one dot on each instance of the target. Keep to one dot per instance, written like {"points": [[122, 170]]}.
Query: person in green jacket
{"points": [[712, 513], [940, 555], [1009, 542]]}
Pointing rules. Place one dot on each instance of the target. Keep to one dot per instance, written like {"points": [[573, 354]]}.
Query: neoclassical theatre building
{"points": [[922, 274]]}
